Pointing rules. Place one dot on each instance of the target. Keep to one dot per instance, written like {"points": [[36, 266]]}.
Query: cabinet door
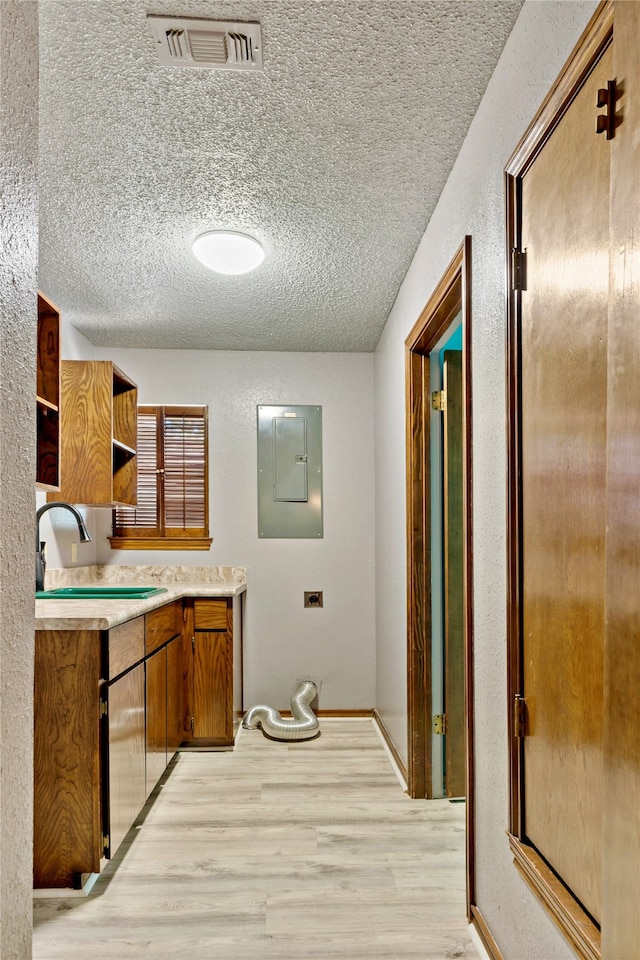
{"points": [[125, 755], [212, 686], [156, 734], [66, 765], [175, 720]]}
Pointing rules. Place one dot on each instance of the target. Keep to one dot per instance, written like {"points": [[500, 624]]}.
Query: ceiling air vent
{"points": [[215, 44]]}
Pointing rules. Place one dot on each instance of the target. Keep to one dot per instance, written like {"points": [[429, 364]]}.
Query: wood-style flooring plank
{"points": [[276, 852]]}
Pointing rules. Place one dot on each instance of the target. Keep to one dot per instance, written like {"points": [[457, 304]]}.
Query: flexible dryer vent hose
{"points": [[303, 725]]}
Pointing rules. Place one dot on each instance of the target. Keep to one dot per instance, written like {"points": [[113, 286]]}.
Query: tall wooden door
{"points": [[565, 232], [455, 752]]}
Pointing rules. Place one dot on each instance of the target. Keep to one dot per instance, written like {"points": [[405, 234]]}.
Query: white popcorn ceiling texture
{"points": [[333, 157]]}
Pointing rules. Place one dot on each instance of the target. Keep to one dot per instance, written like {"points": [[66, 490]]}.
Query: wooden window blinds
{"points": [[172, 506]]}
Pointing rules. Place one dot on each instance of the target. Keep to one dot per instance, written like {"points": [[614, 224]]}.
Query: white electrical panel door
{"points": [[289, 471], [289, 458]]}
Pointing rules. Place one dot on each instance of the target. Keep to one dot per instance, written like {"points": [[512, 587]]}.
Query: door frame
{"points": [[451, 296], [575, 923]]}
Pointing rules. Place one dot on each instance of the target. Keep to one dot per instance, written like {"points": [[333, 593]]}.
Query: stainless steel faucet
{"points": [[40, 560]]}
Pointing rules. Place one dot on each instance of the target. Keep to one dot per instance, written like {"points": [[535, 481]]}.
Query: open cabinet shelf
{"points": [[98, 434], [48, 396]]}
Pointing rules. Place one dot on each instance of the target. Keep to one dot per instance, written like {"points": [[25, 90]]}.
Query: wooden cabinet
{"points": [[211, 673], [156, 714], [67, 820], [175, 704], [124, 761], [163, 688], [48, 396], [111, 709], [123, 735], [98, 431]]}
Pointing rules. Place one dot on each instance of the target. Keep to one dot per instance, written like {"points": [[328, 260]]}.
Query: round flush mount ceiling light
{"points": [[226, 251]]}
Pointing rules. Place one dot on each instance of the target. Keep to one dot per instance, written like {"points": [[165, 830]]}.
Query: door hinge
{"points": [[438, 399], [193, 724], [105, 841], [606, 122], [519, 716], [193, 644], [104, 710], [440, 724], [518, 269]]}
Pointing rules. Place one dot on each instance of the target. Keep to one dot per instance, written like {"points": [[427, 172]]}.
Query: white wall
{"points": [[283, 641], [18, 306], [472, 203]]}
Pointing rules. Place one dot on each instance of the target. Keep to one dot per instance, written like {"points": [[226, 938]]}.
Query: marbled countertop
{"points": [[103, 614]]}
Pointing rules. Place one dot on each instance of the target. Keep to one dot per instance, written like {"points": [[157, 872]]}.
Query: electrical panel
{"points": [[289, 471]]}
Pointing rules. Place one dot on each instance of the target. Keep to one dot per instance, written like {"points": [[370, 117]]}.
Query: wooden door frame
{"points": [[577, 926], [452, 295]]}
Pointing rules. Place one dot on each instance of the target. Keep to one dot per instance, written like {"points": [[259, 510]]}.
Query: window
{"points": [[172, 508]]}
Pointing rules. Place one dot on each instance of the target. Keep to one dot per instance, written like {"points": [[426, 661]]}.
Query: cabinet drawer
{"points": [[163, 624], [125, 646], [210, 614]]}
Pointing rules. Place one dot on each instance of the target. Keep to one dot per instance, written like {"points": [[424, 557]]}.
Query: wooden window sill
{"points": [[160, 543]]}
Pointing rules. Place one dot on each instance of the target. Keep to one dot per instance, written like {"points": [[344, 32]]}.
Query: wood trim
{"points": [[160, 543], [483, 931], [566, 911], [465, 276], [514, 509], [418, 580], [594, 39], [440, 309], [621, 834], [386, 736], [451, 294]]}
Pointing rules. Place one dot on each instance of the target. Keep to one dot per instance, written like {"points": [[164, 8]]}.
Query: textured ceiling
{"points": [[333, 157]]}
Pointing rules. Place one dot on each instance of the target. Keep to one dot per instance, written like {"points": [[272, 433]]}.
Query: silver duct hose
{"points": [[303, 725]]}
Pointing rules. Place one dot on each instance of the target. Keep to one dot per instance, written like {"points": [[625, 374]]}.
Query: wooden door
{"points": [[565, 232], [455, 753], [621, 876]]}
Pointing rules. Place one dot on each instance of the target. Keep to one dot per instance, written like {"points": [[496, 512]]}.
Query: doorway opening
{"points": [[439, 546]]}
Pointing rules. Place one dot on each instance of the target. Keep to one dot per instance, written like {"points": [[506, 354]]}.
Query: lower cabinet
{"points": [[67, 823], [211, 670], [163, 709], [124, 791], [111, 709]]}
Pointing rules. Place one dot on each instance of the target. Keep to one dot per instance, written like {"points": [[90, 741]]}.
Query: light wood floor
{"points": [[276, 852]]}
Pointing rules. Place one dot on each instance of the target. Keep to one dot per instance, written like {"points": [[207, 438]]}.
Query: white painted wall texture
{"points": [[283, 641], [472, 203], [18, 284]]}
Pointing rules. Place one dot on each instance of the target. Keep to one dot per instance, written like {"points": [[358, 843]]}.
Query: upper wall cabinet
{"points": [[98, 434], [48, 396]]}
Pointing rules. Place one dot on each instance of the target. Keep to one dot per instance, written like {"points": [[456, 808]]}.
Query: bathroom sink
{"points": [[99, 593]]}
